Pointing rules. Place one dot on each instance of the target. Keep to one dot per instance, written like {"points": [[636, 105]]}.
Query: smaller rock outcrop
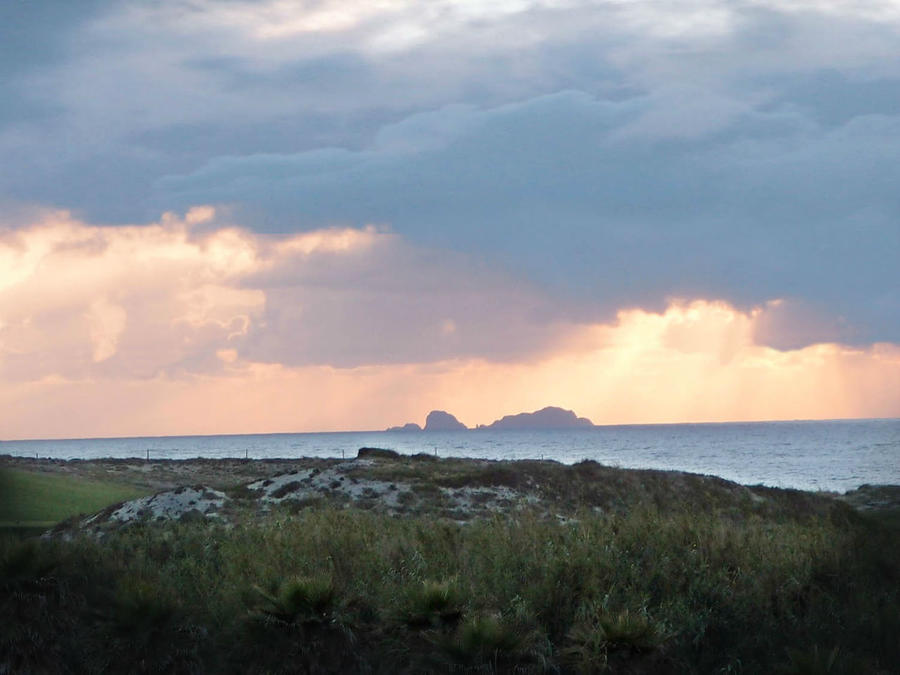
{"points": [[409, 426]]}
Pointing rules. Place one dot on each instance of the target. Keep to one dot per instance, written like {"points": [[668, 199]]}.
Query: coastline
{"points": [[831, 455]]}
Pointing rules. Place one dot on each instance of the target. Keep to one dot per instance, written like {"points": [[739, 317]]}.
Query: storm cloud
{"points": [[582, 195], [603, 155]]}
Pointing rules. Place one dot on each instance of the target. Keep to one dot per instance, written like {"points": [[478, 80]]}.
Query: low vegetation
{"points": [[761, 581], [37, 500]]}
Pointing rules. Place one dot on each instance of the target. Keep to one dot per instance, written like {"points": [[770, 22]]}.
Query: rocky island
{"points": [[409, 426], [550, 417], [438, 420], [545, 418]]}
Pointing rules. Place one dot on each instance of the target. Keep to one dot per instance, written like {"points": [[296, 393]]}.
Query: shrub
{"points": [[432, 603], [300, 599], [22, 563], [598, 634], [287, 489], [377, 453], [483, 641]]}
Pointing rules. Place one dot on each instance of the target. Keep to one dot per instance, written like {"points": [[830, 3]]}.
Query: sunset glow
{"points": [[167, 329], [291, 216]]}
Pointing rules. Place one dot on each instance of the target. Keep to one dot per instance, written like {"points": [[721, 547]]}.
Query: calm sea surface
{"points": [[822, 455]]}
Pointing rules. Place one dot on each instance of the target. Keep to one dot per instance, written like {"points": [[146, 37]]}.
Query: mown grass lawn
{"points": [[31, 500]]}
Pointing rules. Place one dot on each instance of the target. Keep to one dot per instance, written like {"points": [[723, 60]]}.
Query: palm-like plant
{"points": [[300, 600], [433, 603], [598, 634]]}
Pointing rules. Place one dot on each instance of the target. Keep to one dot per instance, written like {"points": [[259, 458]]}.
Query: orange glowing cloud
{"points": [[186, 327], [136, 301], [694, 362]]}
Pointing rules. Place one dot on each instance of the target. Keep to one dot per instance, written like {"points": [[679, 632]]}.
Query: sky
{"points": [[266, 216]]}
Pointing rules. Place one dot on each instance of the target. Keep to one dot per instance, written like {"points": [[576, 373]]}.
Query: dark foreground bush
{"points": [[338, 590]]}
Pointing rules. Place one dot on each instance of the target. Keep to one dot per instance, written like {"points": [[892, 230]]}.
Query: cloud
{"points": [[107, 322], [185, 295], [78, 300], [100, 103], [613, 154], [194, 325], [696, 361], [585, 195]]}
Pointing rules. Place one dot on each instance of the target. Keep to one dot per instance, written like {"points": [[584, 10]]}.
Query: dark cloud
{"points": [[34, 34], [832, 98], [726, 149], [768, 206]]}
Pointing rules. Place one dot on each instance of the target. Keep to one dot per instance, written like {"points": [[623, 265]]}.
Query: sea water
{"points": [[834, 455]]}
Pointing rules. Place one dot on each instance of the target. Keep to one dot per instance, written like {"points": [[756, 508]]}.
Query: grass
{"points": [[647, 573], [344, 590], [434, 603], [31, 500]]}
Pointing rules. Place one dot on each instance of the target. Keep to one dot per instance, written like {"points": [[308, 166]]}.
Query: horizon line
{"points": [[475, 428]]}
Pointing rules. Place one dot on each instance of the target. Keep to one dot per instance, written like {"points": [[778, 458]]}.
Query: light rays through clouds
{"points": [[642, 211], [188, 327]]}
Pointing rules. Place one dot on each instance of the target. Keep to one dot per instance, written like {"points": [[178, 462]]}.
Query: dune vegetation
{"points": [[678, 578]]}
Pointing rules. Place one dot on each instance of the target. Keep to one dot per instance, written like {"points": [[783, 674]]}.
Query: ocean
{"points": [[834, 455]]}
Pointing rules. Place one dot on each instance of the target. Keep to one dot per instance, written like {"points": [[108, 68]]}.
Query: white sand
{"points": [[168, 505]]}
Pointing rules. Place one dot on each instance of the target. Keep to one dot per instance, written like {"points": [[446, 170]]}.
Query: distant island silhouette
{"points": [[550, 417], [437, 420], [545, 418], [409, 426]]}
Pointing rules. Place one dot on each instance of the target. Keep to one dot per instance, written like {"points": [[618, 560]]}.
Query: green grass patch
{"points": [[30, 499]]}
